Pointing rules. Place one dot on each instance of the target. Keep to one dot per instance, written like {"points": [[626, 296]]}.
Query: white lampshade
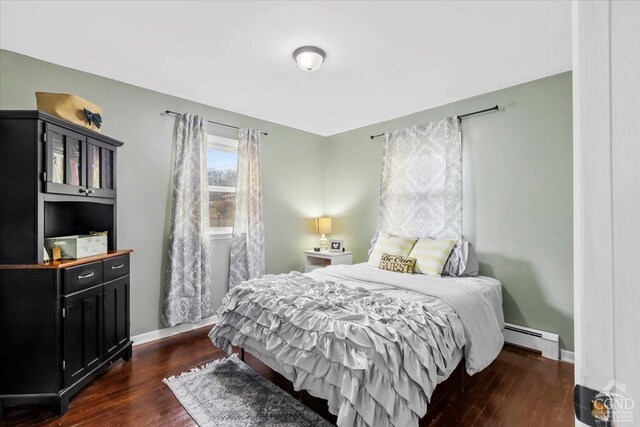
{"points": [[324, 225], [309, 58]]}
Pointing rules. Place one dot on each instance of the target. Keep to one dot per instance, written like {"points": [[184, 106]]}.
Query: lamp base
{"points": [[324, 243]]}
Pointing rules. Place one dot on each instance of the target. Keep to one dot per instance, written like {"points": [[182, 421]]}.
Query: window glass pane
{"points": [[57, 174], [93, 157], [74, 161], [221, 167], [108, 169], [221, 209]]}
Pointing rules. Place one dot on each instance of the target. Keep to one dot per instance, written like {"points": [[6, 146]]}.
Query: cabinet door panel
{"points": [[116, 315], [65, 160], [100, 169], [83, 325]]}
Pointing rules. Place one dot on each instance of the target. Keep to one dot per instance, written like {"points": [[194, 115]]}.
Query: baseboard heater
{"points": [[542, 341]]}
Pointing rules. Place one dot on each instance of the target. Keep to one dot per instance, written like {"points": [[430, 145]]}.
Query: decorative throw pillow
{"points": [[431, 255], [397, 263], [392, 245]]}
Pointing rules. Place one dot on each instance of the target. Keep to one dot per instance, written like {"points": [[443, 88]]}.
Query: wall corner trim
{"points": [[175, 330]]}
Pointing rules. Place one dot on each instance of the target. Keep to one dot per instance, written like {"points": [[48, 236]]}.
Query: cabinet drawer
{"points": [[116, 267], [82, 277]]}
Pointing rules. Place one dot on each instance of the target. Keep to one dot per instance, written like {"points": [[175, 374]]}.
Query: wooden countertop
{"points": [[64, 263]]}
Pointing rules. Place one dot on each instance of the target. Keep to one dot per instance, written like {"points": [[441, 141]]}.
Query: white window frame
{"points": [[222, 144]]}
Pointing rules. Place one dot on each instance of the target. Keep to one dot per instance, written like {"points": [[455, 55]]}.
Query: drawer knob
{"points": [[86, 276], [115, 267]]}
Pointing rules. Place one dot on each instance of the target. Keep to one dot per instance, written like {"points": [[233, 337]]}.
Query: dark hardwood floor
{"points": [[520, 388]]}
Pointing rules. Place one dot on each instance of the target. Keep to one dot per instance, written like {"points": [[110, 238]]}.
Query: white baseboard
{"points": [[175, 330], [567, 356]]}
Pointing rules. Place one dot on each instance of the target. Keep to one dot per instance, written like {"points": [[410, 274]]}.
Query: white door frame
{"points": [[606, 91]]}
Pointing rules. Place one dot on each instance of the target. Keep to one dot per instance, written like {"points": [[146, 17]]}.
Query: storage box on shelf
{"points": [[73, 247]]}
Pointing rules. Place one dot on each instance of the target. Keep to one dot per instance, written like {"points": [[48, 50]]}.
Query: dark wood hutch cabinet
{"points": [[61, 322]]}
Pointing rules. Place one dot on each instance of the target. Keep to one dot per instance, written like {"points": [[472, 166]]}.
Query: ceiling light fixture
{"points": [[309, 58]]}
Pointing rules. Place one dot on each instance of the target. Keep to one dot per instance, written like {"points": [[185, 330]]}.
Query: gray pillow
{"points": [[462, 262]]}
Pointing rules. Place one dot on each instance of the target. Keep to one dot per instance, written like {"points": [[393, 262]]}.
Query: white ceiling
{"points": [[384, 59]]}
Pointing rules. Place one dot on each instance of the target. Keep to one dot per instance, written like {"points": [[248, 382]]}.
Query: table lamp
{"points": [[324, 227]]}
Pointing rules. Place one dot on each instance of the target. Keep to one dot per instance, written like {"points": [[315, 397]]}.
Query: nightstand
{"points": [[313, 259]]}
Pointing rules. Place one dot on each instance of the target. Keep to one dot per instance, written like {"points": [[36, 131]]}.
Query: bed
{"points": [[373, 343]]}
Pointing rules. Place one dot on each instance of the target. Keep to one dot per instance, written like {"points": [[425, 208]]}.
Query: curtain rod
{"points": [[169, 112], [463, 116]]}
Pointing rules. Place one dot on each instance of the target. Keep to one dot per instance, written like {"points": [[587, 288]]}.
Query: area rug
{"points": [[228, 393]]}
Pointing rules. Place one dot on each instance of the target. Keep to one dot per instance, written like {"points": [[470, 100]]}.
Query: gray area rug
{"points": [[228, 393]]}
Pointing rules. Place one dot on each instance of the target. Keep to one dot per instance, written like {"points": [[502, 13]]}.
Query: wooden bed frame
{"points": [[450, 390]]}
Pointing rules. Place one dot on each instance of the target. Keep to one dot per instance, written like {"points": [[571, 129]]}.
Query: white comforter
{"points": [[373, 343]]}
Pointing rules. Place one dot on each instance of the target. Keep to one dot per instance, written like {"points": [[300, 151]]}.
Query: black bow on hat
{"points": [[94, 118]]}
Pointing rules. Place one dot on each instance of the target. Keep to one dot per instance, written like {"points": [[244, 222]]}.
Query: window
{"points": [[222, 163]]}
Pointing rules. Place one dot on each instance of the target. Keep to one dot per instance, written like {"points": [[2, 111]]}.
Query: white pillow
{"points": [[391, 245], [463, 261], [431, 255], [374, 239]]}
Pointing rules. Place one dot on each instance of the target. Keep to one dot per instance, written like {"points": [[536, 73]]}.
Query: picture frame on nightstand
{"points": [[336, 245]]}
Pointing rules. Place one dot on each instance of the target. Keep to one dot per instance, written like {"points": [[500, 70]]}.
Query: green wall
{"points": [[517, 185], [517, 196], [292, 193]]}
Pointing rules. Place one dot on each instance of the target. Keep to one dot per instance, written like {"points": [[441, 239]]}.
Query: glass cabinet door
{"points": [[64, 164], [100, 170], [78, 165]]}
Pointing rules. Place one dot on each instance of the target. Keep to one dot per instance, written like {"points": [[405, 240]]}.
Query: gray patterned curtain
{"points": [[247, 244], [421, 185], [188, 285]]}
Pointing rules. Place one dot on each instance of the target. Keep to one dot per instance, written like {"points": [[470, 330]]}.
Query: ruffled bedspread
{"points": [[375, 358]]}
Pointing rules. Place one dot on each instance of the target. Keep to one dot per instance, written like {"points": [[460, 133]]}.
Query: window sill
{"points": [[220, 233], [220, 236]]}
